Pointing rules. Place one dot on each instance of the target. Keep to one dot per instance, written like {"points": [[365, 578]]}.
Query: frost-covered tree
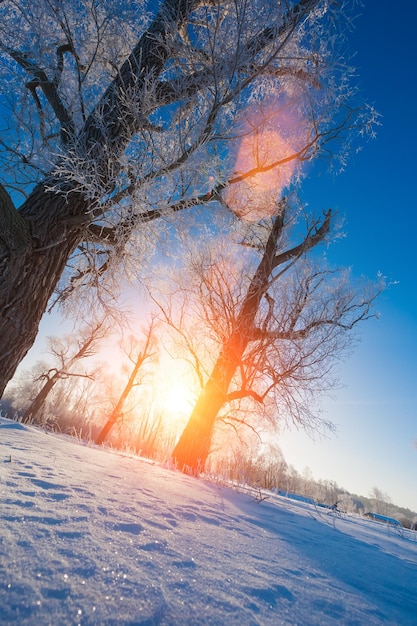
{"points": [[58, 392], [381, 501], [67, 352], [137, 355], [262, 322], [115, 114]]}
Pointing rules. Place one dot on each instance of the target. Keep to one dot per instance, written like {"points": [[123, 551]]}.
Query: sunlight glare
{"points": [[177, 399], [266, 162]]}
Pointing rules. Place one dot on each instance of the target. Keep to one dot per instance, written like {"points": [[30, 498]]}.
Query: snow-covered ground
{"points": [[90, 536]]}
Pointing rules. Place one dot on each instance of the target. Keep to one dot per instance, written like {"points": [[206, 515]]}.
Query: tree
{"points": [[280, 322], [137, 358], [113, 116], [381, 502], [67, 353]]}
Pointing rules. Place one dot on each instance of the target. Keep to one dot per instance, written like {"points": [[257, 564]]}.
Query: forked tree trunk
{"points": [[191, 452], [36, 405]]}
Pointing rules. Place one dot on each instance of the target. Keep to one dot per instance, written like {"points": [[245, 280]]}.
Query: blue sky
{"points": [[376, 411]]}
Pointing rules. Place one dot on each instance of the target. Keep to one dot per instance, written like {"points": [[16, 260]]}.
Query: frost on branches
{"points": [[115, 115]]}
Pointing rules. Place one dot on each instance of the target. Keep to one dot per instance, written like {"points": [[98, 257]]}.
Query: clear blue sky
{"points": [[376, 411]]}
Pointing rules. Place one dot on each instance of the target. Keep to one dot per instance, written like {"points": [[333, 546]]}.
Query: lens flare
{"points": [[266, 161]]}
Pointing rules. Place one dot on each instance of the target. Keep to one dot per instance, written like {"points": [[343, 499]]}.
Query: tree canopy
{"points": [[117, 114]]}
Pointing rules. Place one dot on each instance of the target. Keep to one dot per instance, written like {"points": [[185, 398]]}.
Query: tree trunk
{"points": [[37, 241], [35, 406], [108, 426], [193, 447], [191, 452], [114, 416], [31, 267]]}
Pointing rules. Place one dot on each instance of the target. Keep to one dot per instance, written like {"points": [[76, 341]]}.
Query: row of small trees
{"points": [[268, 470], [75, 392], [73, 406], [65, 397]]}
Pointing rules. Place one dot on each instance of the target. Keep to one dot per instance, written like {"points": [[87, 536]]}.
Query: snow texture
{"points": [[91, 536]]}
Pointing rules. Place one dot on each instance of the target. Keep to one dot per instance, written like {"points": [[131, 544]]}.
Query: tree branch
{"points": [[310, 241], [49, 88], [112, 123], [228, 419], [169, 92], [243, 393]]}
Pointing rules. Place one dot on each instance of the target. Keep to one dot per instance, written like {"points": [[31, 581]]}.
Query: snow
{"points": [[92, 536]]}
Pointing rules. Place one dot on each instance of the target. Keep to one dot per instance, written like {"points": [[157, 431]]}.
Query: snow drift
{"points": [[89, 536]]}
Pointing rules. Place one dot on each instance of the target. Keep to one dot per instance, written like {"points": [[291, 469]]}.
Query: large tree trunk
{"points": [[34, 249], [37, 241], [191, 452]]}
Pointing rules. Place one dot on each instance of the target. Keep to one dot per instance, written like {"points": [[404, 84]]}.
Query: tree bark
{"points": [[30, 271]]}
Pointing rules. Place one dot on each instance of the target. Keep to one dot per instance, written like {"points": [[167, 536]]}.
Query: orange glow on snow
{"points": [[265, 163]]}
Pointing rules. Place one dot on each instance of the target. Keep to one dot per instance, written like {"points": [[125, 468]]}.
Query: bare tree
{"points": [[137, 358], [67, 353], [381, 501], [277, 322], [108, 127]]}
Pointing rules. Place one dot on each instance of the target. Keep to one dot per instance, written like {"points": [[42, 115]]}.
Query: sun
{"points": [[174, 388], [177, 399]]}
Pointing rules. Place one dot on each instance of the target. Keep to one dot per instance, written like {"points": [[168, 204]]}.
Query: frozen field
{"points": [[90, 536]]}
